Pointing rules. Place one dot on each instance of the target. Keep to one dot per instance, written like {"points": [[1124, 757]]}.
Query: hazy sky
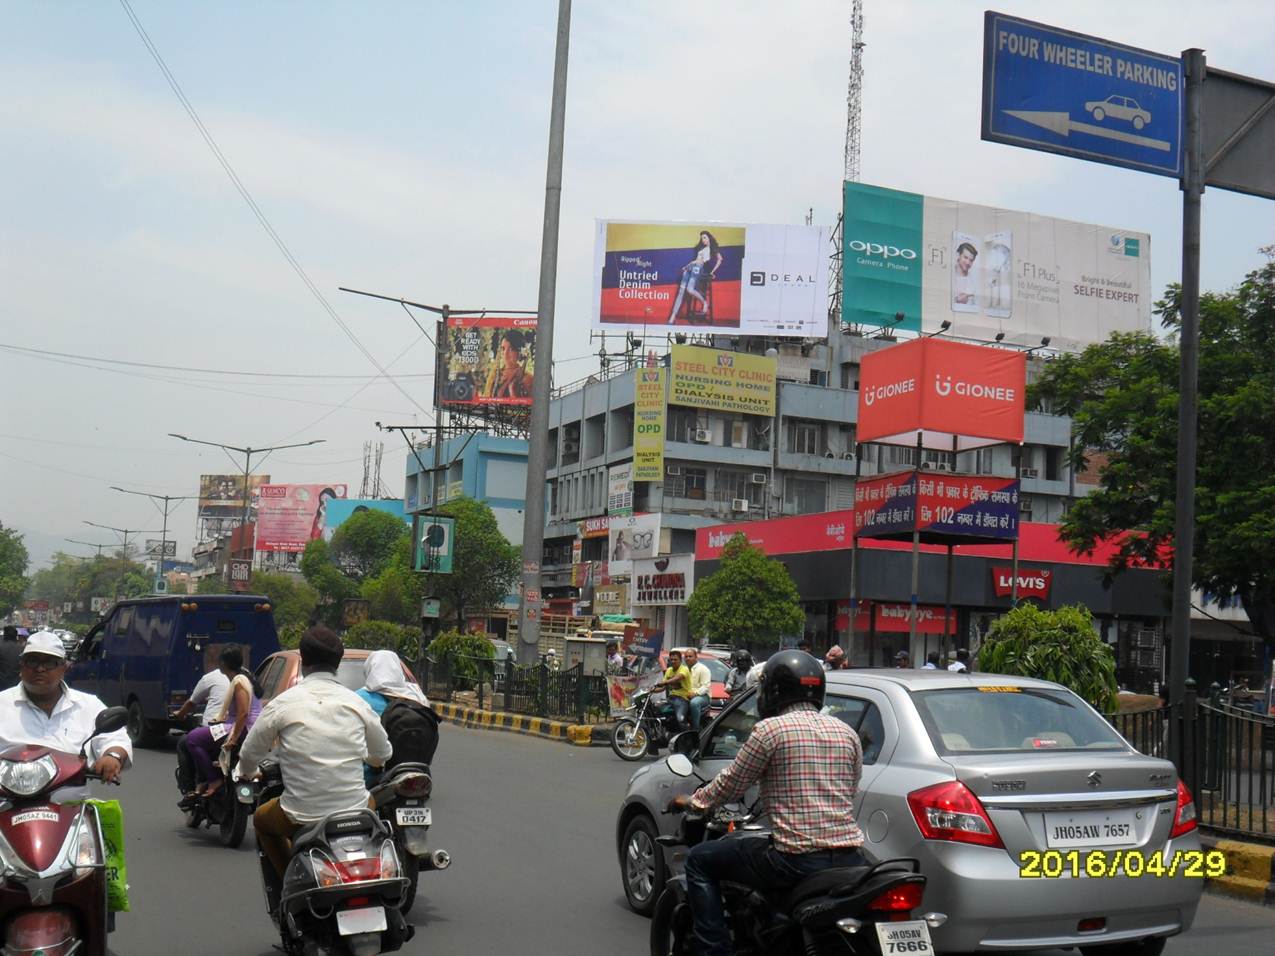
{"points": [[400, 148]]}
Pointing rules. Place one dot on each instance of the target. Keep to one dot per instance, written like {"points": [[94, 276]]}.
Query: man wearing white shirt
{"points": [[701, 686], [211, 692], [43, 711], [323, 734]]}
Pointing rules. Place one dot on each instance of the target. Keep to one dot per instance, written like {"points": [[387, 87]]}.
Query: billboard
{"points": [[726, 381], [648, 425], [435, 538], [937, 505], [745, 279], [955, 395], [827, 531], [339, 510], [663, 580], [221, 496], [620, 489], [487, 360], [291, 516], [629, 538], [988, 270]]}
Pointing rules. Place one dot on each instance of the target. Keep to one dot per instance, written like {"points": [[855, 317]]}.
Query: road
{"points": [[529, 824]]}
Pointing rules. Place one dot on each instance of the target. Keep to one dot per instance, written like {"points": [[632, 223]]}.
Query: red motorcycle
{"points": [[52, 856]]}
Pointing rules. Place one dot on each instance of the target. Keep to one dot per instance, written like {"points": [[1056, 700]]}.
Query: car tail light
{"points": [[949, 811], [1184, 819], [413, 785], [897, 903], [1095, 924]]}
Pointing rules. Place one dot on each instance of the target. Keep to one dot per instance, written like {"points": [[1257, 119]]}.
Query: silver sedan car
{"points": [[1037, 825]]}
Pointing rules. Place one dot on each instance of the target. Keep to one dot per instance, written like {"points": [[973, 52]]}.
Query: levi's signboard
{"points": [[954, 395], [1032, 582]]}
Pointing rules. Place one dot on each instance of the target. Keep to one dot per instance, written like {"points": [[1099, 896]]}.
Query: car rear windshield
{"points": [[1008, 719], [716, 669]]}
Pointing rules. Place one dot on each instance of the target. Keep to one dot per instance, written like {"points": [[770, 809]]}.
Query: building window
{"points": [[553, 497], [896, 456], [805, 438], [681, 424], [805, 496], [729, 485], [683, 482], [938, 460], [1053, 463]]}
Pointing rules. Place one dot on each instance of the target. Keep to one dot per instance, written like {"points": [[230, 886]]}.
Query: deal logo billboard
{"points": [[726, 381], [937, 505], [989, 271], [291, 516], [948, 392], [749, 279], [487, 360], [648, 425]]}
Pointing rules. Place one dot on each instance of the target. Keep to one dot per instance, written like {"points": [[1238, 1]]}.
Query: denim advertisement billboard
{"points": [[716, 277], [989, 271], [487, 360]]}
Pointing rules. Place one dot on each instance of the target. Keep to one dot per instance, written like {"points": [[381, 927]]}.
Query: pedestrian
{"points": [[10, 658], [615, 660], [962, 663], [901, 660], [931, 661], [701, 686], [835, 659]]}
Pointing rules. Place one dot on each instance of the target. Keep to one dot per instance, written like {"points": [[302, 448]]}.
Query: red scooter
{"points": [[52, 856]]}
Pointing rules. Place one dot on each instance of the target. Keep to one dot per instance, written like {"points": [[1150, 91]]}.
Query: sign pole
{"points": [[1188, 346]]}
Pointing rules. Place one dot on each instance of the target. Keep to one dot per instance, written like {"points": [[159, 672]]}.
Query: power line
{"points": [[252, 204], [74, 474]]}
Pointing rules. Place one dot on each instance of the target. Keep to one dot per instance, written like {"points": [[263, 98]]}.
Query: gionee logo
{"points": [[879, 392], [944, 386]]}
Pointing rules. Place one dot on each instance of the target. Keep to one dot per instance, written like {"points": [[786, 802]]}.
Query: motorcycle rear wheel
{"points": [[411, 870], [629, 740]]}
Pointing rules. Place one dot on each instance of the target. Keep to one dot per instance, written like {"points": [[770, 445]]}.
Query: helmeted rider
{"points": [[807, 765], [741, 662]]}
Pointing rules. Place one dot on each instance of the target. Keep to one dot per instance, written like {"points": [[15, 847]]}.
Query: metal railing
{"points": [[537, 690]]}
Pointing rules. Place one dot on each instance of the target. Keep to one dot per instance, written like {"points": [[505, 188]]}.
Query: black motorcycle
{"points": [[400, 798], [860, 910], [220, 809], [652, 726]]}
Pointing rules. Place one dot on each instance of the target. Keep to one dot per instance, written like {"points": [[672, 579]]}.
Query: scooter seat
{"points": [[336, 825], [823, 883]]}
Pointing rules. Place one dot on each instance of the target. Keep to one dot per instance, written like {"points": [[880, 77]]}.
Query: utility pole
{"points": [[88, 544], [122, 532], [533, 529], [247, 452], [163, 534]]}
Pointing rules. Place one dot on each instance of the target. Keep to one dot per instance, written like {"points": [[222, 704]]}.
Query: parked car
{"points": [[148, 653], [282, 670], [981, 778]]}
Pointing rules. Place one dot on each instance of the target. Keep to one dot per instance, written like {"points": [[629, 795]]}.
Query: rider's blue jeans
{"points": [[753, 861]]}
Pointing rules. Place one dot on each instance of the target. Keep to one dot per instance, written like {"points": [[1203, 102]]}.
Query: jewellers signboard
{"points": [[664, 580]]}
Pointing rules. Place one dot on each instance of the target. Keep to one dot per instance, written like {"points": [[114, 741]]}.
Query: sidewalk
{"points": [[581, 735], [1250, 869]]}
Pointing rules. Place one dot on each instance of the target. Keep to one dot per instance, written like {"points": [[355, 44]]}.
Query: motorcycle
{"points": [[221, 808], [53, 877], [342, 891], [651, 727], [838, 910], [400, 799]]}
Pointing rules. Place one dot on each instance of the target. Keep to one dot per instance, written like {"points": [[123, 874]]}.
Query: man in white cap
{"points": [[42, 710]]}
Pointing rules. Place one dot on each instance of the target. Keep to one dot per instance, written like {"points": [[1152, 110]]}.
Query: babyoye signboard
{"points": [[726, 381], [955, 395], [938, 505], [742, 279], [989, 271]]}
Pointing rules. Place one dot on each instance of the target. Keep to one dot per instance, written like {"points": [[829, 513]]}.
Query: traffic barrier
{"points": [[581, 735], [1250, 870]]}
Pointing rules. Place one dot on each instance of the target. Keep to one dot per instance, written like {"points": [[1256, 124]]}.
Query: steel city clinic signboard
{"points": [[725, 381], [989, 271], [743, 279], [648, 425], [956, 396]]}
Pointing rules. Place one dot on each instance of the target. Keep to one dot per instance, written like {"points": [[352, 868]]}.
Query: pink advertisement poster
{"points": [[291, 516]]}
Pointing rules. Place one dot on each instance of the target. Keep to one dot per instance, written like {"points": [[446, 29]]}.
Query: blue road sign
{"points": [[1064, 92]]}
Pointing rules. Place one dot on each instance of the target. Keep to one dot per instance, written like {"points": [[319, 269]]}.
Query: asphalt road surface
{"points": [[529, 824]]}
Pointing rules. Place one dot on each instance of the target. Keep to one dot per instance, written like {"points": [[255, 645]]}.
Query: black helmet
{"points": [[741, 658], [789, 677]]}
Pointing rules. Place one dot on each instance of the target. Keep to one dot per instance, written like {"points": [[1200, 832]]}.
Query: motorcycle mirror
{"points": [[680, 764], [110, 720]]}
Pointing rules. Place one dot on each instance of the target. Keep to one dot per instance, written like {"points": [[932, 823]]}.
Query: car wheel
{"points": [[1138, 947], [1138, 122], [1099, 114], [641, 865], [140, 731]]}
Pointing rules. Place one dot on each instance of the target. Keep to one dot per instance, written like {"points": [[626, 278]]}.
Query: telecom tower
{"points": [[854, 111]]}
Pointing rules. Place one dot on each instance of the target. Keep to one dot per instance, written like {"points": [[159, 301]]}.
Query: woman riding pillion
{"points": [[238, 714]]}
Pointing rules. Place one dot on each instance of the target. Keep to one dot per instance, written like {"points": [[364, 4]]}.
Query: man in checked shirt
{"points": [[808, 766]]}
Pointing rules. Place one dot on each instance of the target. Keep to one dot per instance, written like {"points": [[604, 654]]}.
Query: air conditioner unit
{"points": [[927, 466], [570, 447], [1024, 504], [739, 504], [703, 436], [674, 471], [848, 456], [942, 466], [829, 454], [757, 478], [1029, 472]]}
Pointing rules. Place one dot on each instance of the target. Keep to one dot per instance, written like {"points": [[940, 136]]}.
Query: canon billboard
{"points": [[955, 395]]}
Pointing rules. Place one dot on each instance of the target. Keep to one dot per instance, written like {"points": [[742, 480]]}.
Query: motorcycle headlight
{"points": [[389, 861], [26, 777]]}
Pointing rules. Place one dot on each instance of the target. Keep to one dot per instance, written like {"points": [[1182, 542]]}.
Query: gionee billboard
{"points": [[954, 395], [989, 271]]}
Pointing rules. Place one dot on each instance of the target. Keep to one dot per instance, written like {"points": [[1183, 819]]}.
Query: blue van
{"points": [[148, 653]]}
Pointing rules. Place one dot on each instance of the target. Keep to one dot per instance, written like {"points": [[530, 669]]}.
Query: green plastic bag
{"points": [[111, 817]]}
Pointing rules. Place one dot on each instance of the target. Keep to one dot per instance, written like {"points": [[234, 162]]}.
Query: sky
{"points": [[400, 148]]}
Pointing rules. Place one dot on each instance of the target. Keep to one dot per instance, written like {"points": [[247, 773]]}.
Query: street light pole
{"points": [[163, 534], [247, 452], [88, 544], [122, 532]]}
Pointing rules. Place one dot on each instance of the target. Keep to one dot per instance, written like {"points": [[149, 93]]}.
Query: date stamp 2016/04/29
{"points": [[1104, 864]]}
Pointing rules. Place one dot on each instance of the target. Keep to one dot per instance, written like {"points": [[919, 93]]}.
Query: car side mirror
{"points": [[686, 743], [680, 764]]}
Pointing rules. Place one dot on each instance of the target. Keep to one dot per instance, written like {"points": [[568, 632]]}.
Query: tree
{"points": [[326, 578], [13, 569], [365, 543], [1060, 646], [1122, 395], [292, 598], [484, 564], [750, 600], [395, 593], [80, 579]]}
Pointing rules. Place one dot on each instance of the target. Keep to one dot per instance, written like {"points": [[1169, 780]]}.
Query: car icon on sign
{"points": [[1119, 107]]}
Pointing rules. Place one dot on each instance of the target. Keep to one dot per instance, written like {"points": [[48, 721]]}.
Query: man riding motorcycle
{"points": [[808, 767], [324, 733]]}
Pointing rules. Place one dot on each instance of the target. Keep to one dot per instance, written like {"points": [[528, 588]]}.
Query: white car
{"points": [[1119, 107]]}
